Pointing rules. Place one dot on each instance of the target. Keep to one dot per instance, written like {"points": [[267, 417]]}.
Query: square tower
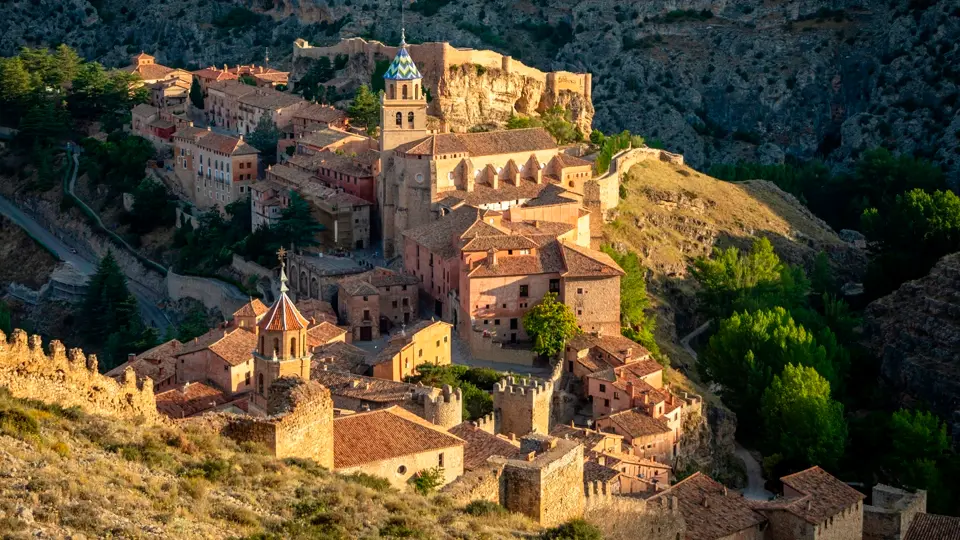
{"points": [[403, 106]]}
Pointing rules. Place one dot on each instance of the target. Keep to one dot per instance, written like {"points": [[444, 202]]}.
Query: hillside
{"points": [[673, 214], [717, 82], [67, 473]]}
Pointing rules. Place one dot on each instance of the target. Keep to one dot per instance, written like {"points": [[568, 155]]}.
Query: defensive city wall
{"points": [[433, 59], [71, 379]]}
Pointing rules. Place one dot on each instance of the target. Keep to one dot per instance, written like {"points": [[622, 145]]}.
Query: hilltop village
{"points": [[435, 246]]}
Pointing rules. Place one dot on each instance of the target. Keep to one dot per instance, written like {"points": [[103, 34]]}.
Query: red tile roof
{"points": [[323, 333], [236, 347], [214, 74], [482, 144], [322, 113], [709, 511], [481, 445], [385, 434], [634, 423], [824, 496], [158, 363], [190, 399], [585, 262], [253, 308], [933, 527], [283, 315]]}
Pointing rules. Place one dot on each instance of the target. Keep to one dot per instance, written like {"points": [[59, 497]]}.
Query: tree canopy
{"points": [[802, 423], [364, 111], [265, 138], [551, 323], [196, 93], [556, 120]]}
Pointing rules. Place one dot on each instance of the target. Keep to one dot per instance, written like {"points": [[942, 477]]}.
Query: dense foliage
{"points": [[634, 302], [364, 111], [556, 120], [265, 138], [610, 146], [551, 323]]}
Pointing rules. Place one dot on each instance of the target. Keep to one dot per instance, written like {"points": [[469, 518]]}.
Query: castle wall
{"points": [[481, 484], [71, 379], [522, 406], [551, 493], [892, 512], [444, 407]]}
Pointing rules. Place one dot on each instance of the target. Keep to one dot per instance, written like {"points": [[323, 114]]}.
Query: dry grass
{"points": [[82, 474]]}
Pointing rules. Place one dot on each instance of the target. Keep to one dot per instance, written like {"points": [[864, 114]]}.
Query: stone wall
{"points": [[71, 379], [212, 293], [481, 484], [444, 407], [891, 513], [602, 193], [300, 422], [548, 485]]}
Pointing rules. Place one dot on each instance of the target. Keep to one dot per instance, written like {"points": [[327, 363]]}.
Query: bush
{"points": [[19, 424], [375, 483], [399, 528], [427, 481], [484, 508], [577, 529], [213, 470]]}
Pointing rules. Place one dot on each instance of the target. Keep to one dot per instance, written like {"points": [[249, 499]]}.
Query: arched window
{"points": [[410, 118], [399, 119], [260, 384], [261, 344], [416, 91], [293, 347], [393, 90], [404, 91], [571, 183], [276, 345]]}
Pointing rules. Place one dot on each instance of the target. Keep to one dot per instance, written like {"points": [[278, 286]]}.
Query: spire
{"points": [[402, 68], [403, 37], [283, 272]]}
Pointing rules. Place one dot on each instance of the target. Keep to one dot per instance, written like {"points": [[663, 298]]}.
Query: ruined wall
{"points": [[444, 407], [71, 379], [470, 87], [892, 512], [481, 484], [300, 422], [213, 293]]}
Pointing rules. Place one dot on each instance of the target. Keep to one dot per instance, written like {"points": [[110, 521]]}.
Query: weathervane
{"points": [[281, 254]]}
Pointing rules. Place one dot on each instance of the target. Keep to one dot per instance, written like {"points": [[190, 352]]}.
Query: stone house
{"points": [[151, 72], [815, 506], [354, 173], [209, 75], [647, 436], [213, 169], [395, 444], [148, 122], [638, 384], [891, 511], [589, 353], [711, 512], [158, 364], [324, 333], [340, 356], [330, 139], [480, 445], [373, 302], [221, 105], [190, 399], [248, 315], [222, 357], [427, 342], [279, 107], [316, 117], [267, 201], [170, 95]]}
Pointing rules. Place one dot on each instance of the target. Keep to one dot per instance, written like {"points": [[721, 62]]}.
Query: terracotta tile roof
{"points": [[933, 527], [349, 165], [273, 76], [214, 74], [289, 174], [236, 347], [566, 160], [358, 287], [144, 110], [482, 144], [202, 342], [616, 345], [232, 88], [267, 98], [190, 399], [312, 308], [545, 260], [585, 262], [481, 228], [338, 356], [594, 472], [364, 388], [158, 363], [499, 242], [441, 233], [322, 113], [634, 423], [824, 495], [385, 434], [323, 333], [283, 316], [384, 277], [189, 132], [708, 509], [589, 437], [225, 144], [484, 194], [150, 72], [551, 195], [254, 308], [480, 445]]}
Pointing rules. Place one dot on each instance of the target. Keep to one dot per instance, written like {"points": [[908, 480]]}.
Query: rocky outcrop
{"points": [[916, 334]]}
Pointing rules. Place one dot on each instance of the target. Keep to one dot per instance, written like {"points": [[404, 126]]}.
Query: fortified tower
{"points": [[444, 407], [522, 406], [403, 107], [282, 349]]}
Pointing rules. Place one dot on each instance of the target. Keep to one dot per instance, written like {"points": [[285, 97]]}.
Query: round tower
{"points": [[444, 407]]}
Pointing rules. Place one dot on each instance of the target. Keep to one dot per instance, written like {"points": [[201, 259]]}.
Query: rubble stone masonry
{"points": [[522, 406], [71, 379]]}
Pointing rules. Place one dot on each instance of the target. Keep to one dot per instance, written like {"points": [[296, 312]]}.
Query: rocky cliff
{"points": [[916, 334], [716, 81]]}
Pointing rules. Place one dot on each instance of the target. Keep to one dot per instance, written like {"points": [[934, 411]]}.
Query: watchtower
{"points": [[522, 405], [444, 407]]}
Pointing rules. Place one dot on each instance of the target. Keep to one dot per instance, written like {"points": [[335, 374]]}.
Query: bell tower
{"points": [[282, 349], [403, 107]]}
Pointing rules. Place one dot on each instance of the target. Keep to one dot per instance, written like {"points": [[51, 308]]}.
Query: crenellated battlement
{"points": [[523, 386], [444, 407], [69, 378], [522, 405], [487, 423]]}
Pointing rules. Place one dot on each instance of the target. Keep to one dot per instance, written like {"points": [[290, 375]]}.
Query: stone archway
{"points": [[314, 288], [302, 287]]}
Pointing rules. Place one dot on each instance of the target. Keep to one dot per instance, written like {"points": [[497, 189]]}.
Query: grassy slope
{"points": [[65, 472]]}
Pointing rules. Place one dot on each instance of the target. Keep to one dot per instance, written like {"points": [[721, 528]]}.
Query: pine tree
{"points": [[297, 224], [265, 138], [365, 110], [196, 94]]}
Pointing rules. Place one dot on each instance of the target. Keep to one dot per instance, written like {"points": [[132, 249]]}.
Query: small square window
{"points": [[438, 343], [496, 322], [579, 312], [603, 388], [420, 353], [444, 339], [364, 298], [485, 321], [579, 291]]}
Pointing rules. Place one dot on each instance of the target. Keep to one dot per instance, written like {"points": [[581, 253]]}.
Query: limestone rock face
{"points": [[916, 333]]}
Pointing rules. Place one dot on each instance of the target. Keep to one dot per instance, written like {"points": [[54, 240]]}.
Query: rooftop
{"points": [[385, 434], [824, 496], [267, 98], [402, 68], [615, 345], [637, 424], [365, 388], [283, 316], [254, 308], [513, 141], [323, 333], [481, 445], [589, 437], [338, 356], [322, 113], [933, 527], [709, 511], [158, 363], [190, 399]]}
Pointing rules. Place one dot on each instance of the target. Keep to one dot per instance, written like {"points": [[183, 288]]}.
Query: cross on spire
{"points": [[281, 255]]}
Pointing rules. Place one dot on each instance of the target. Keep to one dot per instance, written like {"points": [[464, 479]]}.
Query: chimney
{"points": [[602, 461], [530, 456], [706, 503], [492, 257], [629, 349], [131, 357]]}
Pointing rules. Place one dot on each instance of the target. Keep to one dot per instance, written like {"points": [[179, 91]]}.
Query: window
{"points": [[496, 322], [404, 92], [555, 285], [444, 339], [394, 303], [399, 119], [405, 287], [247, 379], [402, 469], [440, 460], [293, 347], [364, 298], [366, 314], [514, 323], [420, 353], [485, 321], [438, 343], [260, 384], [406, 301], [579, 291], [450, 175], [579, 312], [410, 118], [226, 367], [606, 403], [524, 291], [603, 388], [616, 395], [276, 345]]}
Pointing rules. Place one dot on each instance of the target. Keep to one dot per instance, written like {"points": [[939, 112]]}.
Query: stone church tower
{"points": [[403, 107], [282, 349]]}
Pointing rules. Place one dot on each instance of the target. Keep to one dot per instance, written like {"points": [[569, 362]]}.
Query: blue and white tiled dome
{"points": [[402, 68]]}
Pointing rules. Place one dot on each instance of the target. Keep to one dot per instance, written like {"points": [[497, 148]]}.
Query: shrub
{"points": [[375, 483], [427, 481], [19, 424], [577, 529], [308, 465], [399, 528], [236, 514], [213, 470], [484, 508]]}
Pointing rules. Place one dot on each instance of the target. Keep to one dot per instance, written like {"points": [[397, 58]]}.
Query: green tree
{"points": [[44, 125], [917, 435], [6, 324], [196, 94], [733, 281], [551, 323], [365, 110], [248, 80], [194, 325], [265, 138], [750, 348], [801, 422], [15, 89], [427, 481], [297, 225], [152, 207], [634, 302]]}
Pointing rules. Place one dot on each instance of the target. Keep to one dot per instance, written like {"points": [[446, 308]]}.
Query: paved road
{"points": [[86, 263]]}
